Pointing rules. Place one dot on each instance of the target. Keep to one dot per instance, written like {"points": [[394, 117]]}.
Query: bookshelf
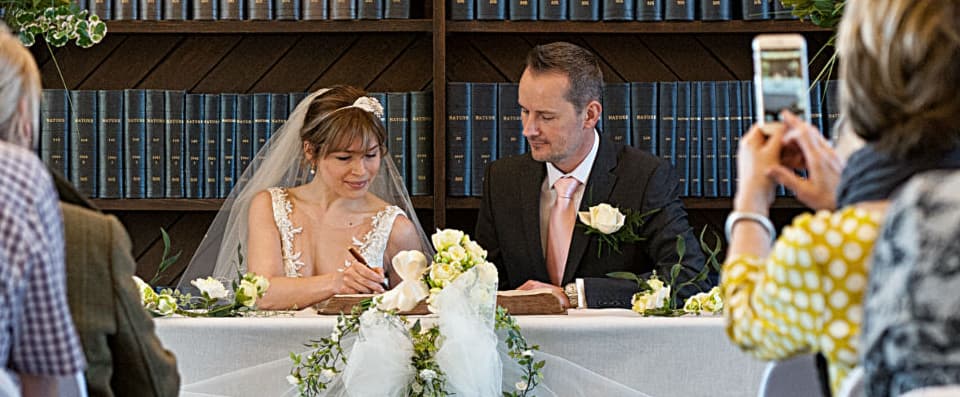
{"points": [[388, 55]]}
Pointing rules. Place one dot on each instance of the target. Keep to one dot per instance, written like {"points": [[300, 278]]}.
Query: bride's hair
{"points": [[333, 124]]}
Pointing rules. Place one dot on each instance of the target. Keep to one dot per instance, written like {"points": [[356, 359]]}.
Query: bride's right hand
{"points": [[362, 279]]}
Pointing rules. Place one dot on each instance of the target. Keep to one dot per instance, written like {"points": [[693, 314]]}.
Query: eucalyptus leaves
{"points": [[57, 21]]}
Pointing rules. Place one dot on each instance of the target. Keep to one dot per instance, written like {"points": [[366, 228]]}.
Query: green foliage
{"points": [[165, 260], [313, 372], [57, 21], [524, 354], [628, 234], [823, 13]]}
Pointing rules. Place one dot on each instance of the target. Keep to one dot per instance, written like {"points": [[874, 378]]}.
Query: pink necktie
{"points": [[560, 228]]}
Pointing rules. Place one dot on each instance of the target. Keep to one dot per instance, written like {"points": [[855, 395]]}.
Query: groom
{"points": [[528, 212]]}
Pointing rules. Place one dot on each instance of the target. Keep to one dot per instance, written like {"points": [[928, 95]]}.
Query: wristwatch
{"points": [[574, 292]]}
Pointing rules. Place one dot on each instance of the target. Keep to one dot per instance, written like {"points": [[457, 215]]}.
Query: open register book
{"points": [[538, 301]]}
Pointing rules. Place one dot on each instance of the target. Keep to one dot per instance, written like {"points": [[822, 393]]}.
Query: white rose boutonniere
{"points": [[612, 226]]}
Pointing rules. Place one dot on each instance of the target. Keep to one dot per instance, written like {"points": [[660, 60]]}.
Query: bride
{"points": [[323, 184]]}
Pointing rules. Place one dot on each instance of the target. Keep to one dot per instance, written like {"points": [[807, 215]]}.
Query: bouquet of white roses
{"points": [[215, 299], [458, 355]]}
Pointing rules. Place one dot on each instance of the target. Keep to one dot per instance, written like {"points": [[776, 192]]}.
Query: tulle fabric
{"points": [[280, 163], [380, 362]]}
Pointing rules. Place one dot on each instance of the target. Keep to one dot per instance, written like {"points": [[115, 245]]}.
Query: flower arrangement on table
{"points": [[457, 355], [57, 21], [215, 299]]}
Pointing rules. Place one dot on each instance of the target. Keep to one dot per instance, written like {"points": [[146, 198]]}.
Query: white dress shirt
{"points": [[548, 195]]}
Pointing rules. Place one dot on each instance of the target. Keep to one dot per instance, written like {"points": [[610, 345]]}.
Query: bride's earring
{"points": [[313, 169]]}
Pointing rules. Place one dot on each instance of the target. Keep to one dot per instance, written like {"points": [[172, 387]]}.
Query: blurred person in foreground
{"points": [[803, 292]]}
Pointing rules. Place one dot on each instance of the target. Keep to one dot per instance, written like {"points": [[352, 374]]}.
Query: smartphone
{"points": [[780, 78]]}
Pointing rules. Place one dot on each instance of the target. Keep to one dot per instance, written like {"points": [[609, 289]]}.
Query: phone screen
{"points": [[783, 83]]}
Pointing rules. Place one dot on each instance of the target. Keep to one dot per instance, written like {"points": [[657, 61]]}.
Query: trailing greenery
{"points": [[57, 21]]}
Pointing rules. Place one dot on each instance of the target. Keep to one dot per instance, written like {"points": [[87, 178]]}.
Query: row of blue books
{"points": [[179, 10], [695, 125], [170, 144], [618, 10]]}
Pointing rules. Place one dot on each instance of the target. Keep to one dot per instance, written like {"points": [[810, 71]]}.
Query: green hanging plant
{"points": [[57, 21]]}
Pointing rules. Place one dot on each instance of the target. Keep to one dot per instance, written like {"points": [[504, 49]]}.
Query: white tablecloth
{"points": [[685, 356]]}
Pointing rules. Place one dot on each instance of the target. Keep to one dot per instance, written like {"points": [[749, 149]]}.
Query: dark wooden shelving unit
{"points": [[388, 55]]}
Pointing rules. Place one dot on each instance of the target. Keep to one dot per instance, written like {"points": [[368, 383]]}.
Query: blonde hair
{"points": [[900, 73], [19, 81]]}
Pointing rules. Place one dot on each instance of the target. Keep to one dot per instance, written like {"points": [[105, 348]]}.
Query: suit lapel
{"points": [[531, 178], [601, 182]]}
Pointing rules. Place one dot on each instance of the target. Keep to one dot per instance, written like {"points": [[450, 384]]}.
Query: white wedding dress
{"points": [[372, 246]]}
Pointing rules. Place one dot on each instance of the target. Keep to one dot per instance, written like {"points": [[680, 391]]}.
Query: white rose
{"points": [[487, 273], [443, 239], [261, 282], [655, 284], [427, 374], [521, 386], [457, 253], [694, 303], [328, 373], [210, 286], [147, 294], [527, 353], [603, 217], [713, 302], [293, 380], [660, 297], [166, 305], [247, 293], [477, 253], [640, 301]]}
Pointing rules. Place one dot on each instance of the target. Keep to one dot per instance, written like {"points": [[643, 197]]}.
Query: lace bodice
{"points": [[372, 246]]}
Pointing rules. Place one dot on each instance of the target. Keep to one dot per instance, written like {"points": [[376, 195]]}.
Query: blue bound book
{"points": [[523, 10], [193, 146], [831, 107], [680, 10], [716, 10], [681, 141], [231, 9], [396, 9], [421, 143], [650, 10], [228, 143], [173, 108], [155, 141], [314, 10], [510, 140], [492, 10], [110, 144], [343, 9], [816, 106], [398, 131], [263, 10], [261, 125], [83, 142], [135, 143], [459, 115], [151, 10], [726, 109], [708, 134], [553, 10], [278, 112], [205, 10], [755, 10], [584, 10], [645, 128], [694, 149], [55, 130], [174, 10], [244, 138], [101, 8], [211, 145], [287, 10], [782, 11], [616, 113], [619, 10], [462, 10], [484, 128], [668, 120]]}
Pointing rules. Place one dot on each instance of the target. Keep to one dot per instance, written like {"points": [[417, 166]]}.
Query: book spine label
{"points": [[370, 9], [668, 120], [83, 142], [314, 10], [261, 124], [645, 127], [343, 9], [228, 143], [421, 143], [553, 10], [831, 107], [694, 133], [681, 138], [396, 9], [173, 108], [523, 10], [110, 144], [55, 130], [650, 10], [584, 10], [278, 112], [124, 10], [616, 113], [398, 130], [492, 10], [619, 10], [510, 140], [484, 129], [211, 145], [459, 115], [708, 141], [135, 145], [244, 138]]}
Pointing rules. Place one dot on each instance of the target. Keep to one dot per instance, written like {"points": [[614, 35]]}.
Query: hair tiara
{"points": [[367, 104]]}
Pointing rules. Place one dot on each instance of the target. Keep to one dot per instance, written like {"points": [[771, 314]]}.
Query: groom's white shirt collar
{"points": [[582, 172]]}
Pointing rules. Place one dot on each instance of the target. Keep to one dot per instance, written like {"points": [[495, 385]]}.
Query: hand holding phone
{"points": [[780, 78]]}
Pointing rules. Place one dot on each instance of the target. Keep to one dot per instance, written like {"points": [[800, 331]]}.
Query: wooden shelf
{"points": [[324, 26], [690, 203], [671, 27], [419, 202]]}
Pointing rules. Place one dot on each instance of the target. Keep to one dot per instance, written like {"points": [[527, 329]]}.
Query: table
{"points": [[682, 356]]}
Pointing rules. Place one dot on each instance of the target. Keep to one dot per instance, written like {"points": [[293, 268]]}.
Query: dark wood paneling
{"points": [[410, 71], [190, 62], [77, 63], [506, 53], [130, 62], [625, 54], [246, 63], [687, 58], [304, 63], [365, 60]]}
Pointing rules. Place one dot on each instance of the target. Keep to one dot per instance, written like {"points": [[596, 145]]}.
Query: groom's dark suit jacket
{"points": [[508, 226]]}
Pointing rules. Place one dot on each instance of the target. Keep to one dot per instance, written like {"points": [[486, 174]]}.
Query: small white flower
{"points": [[603, 217], [335, 335], [261, 282], [527, 353], [428, 374], [416, 387], [247, 293], [443, 239], [293, 380], [210, 286], [487, 272], [328, 373], [521, 385], [477, 253], [166, 304], [147, 294]]}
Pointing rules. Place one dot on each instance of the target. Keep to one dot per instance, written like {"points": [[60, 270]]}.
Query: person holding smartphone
{"points": [[803, 292]]}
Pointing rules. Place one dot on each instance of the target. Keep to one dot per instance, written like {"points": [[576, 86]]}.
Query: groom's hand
{"points": [[555, 290]]}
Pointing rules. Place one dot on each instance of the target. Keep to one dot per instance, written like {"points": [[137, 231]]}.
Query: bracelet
{"points": [[737, 216], [574, 292]]}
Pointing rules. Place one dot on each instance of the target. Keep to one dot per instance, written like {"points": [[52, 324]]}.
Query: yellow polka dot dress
{"points": [[807, 295]]}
